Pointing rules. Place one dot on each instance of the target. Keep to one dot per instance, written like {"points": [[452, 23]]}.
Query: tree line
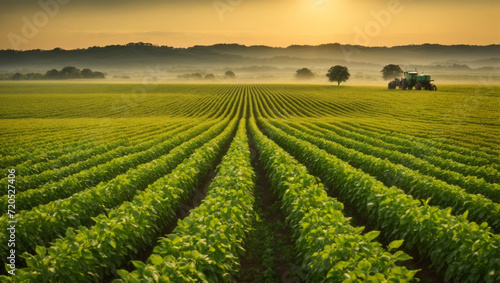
{"points": [[199, 76], [65, 73]]}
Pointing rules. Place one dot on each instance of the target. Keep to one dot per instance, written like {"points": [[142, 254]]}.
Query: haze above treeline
{"points": [[165, 63]]}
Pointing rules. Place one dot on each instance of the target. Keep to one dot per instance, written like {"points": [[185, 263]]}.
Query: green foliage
{"points": [[229, 75], [52, 219], [338, 74], [210, 240], [462, 249], [105, 246], [209, 77], [102, 169], [391, 71], [65, 73], [413, 183], [304, 74], [324, 237], [414, 155]]}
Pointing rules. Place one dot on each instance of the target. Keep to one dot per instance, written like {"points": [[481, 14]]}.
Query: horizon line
{"points": [[253, 45]]}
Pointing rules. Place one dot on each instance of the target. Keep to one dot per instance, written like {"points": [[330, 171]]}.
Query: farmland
{"points": [[250, 182]]}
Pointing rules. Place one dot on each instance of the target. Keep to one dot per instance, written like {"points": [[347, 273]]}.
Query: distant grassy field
{"points": [[108, 169]]}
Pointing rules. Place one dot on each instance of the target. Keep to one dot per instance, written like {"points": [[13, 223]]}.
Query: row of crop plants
{"points": [[90, 254], [412, 182], [487, 173], [62, 136], [207, 106], [100, 173], [34, 156], [476, 185], [450, 272], [32, 176], [461, 249], [423, 151], [473, 135], [135, 207], [222, 220], [207, 244], [51, 220], [482, 145], [324, 237], [429, 147]]}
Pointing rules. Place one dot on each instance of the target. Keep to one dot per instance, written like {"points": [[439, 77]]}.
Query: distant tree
{"points": [[338, 74], [230, 75], [209, 76], [34, 76], [70, 72], [99, 75], [52, 74], [195, 76], [18, 76], [391, 71], [87, 73], [304, 74]]}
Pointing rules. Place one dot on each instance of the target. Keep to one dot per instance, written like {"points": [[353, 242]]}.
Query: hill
{"points": [[257, 61]]}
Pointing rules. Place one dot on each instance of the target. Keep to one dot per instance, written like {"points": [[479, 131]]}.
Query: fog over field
{"points": [[137, 61]]}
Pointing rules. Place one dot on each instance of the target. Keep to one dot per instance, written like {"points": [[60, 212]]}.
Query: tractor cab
{"points": [[411, 76]]}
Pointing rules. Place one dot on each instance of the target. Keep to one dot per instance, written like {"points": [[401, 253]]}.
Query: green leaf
{"points": [[395, 244], [370, 236], [41, 251], [401, 256], [466, 213], [139, 264], [124, 274], [156, 259], [364, 265]]}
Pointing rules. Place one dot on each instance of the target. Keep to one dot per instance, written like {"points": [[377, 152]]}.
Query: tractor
{"points": [[413, 79]]}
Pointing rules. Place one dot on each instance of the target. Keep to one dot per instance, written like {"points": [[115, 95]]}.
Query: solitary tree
{"points": [[304, 74], [209, 76], [391, 71], [338, 74], [230, 75]]}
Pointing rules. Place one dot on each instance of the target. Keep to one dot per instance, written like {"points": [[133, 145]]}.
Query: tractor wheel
{"points": [[404, 84], [418, 86], [389, 85]]}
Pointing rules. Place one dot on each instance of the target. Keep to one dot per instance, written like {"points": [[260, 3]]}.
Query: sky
{"points": [[70, 24]]}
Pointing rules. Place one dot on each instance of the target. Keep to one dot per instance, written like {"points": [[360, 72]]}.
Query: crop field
{"points": [[249, 183]]}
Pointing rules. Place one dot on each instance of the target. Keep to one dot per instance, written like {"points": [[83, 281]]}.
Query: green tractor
{"points": [[413, 79]]}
